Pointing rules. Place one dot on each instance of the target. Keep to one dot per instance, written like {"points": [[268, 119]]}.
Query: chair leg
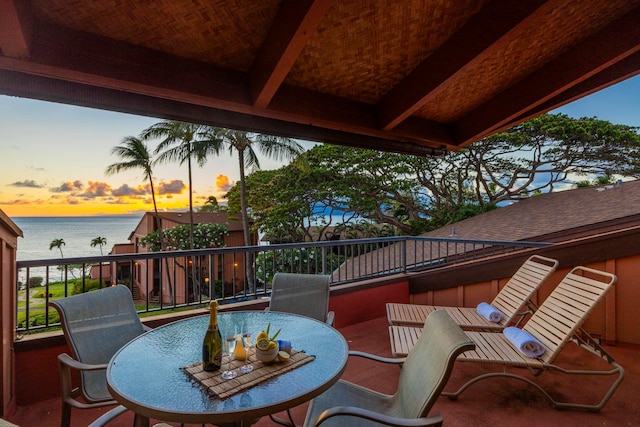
{"points": [[65, 418], [289, 423]]}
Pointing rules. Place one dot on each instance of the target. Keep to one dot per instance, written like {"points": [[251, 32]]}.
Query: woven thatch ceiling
{"points": [[400, 75]]}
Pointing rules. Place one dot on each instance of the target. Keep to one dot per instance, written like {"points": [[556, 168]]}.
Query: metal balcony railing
{"points": [[183, 279]]}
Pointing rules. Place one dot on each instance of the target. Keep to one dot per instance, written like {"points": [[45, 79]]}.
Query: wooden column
{"points": [[9, 233]]}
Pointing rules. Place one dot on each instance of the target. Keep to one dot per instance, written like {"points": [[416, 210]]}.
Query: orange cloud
{"points": [[68, 187], [223, 183], [96, 189]]}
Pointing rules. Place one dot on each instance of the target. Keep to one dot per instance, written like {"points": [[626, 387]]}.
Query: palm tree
{"points": [[274, 147], [99, 241], [180, 142], [57, 243], [135, 155]]}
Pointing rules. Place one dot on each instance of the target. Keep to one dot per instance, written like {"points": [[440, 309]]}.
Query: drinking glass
{"points": [[246, 342], [230, 345]]}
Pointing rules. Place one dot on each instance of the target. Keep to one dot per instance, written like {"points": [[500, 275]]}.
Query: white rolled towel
{"points": [[524, 341], [489, 312]]}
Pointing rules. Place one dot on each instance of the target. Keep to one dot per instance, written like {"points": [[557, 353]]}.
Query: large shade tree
{"points": [[418, 194]]}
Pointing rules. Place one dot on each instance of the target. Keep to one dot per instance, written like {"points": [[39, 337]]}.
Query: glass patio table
{"points": [[146, 375]]}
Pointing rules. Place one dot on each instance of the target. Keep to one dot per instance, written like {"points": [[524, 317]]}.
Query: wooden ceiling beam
{"points": [[612, 44], [14, 83], [16, 27], [295, 23], [97, 61], [482, 32]]}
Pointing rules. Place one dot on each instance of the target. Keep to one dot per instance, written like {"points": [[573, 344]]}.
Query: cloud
{"points": [[96, 189], [29, 183], [223, 183], [125, 191], [172, 187], [68, 186], [16, 202]]}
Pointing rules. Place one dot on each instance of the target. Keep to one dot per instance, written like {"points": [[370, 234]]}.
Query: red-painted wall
{"points": [[367, 304], [37, 374]]}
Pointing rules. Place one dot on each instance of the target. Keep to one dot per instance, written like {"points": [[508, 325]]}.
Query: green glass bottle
{"points": [[212, 343]]}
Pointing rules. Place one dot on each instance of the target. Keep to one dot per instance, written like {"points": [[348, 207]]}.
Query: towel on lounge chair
{"points": [[489, 312], [524, 341]]}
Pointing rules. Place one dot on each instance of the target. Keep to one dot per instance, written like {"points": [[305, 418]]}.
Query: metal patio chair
{"points": [[96, 324], [424, 374], [304, 294]]}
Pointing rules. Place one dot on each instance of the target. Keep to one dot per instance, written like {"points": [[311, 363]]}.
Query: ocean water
{"points": [[77, 233]]}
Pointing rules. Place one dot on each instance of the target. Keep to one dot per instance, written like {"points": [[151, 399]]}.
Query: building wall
{"points": [[230, 270]]}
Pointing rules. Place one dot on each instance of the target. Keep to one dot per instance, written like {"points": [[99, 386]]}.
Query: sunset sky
{"points": [[53, 157]]}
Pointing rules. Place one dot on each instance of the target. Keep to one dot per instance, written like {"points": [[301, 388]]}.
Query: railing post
{"points": [[403, 255], [324, 260]]}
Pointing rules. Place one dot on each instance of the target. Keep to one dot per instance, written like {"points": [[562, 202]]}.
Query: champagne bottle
{"points": [[212, 343]]}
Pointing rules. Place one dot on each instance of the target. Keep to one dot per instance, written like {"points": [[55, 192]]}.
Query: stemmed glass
{"points": [[230, 344], [246, 342]]}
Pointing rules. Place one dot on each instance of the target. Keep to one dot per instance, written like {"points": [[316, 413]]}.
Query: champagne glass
{"points": [[230, 344], [246, 342]]}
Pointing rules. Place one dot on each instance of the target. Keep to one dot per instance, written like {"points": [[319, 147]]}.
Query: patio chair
{"points": [[95, 324], [423, 376], [304, 294], [556, 322], [510, 301]]}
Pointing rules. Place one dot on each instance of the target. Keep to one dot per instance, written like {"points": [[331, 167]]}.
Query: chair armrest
{"points": [[69, 361], [108, 416], [390, 360], [330, 318], [435, 420]]}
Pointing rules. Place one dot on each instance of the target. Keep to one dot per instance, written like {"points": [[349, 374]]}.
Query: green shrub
{"points": [[89, 285], [35, 281]]}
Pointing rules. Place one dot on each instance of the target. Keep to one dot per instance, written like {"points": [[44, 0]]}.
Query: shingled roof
{"points": [[549, 217], [552, 217]]}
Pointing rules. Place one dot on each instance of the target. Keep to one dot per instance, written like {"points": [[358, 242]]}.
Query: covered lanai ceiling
{"points": [[396, 75]]}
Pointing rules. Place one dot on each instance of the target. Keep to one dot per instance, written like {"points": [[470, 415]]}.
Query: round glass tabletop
{"points": [[146, 375]]}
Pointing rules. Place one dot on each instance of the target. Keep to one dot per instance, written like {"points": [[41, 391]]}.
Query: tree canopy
{"points": [[205, 235], [417, 194]]}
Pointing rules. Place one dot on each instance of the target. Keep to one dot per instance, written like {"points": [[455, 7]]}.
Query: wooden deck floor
{"points": [[495, 402]]}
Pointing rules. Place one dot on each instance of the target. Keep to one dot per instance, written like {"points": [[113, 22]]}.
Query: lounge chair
{"points": [[304, 294], [556, 322], [424, 375], [510, 301], [96, 324]]}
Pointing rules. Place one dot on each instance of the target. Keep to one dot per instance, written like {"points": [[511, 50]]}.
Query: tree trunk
{"points": [[245, 224], [159, 225]]}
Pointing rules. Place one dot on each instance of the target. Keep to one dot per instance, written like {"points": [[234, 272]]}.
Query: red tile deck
{"points": [[494, 402]]}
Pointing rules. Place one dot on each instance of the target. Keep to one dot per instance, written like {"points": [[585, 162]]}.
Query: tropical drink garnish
{"points": [[264, 342]]}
